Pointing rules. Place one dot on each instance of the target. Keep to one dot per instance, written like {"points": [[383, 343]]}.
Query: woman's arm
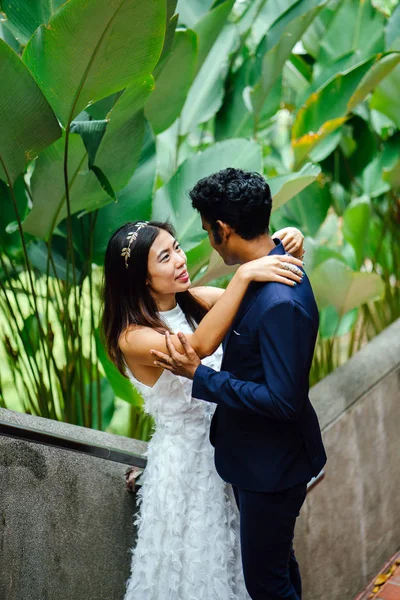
{"points": [[207, 294], [137, 343]]}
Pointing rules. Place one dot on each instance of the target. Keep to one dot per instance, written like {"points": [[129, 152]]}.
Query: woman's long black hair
{"points": [[126, 297]]}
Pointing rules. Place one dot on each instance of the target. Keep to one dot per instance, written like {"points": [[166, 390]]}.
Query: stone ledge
{"points": [[75, 432], [341, 389]]}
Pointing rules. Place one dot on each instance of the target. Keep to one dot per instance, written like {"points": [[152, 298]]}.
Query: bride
{"points": [[188, 530]]}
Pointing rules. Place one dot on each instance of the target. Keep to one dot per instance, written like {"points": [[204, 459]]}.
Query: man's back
{"points": [[265, 431]]}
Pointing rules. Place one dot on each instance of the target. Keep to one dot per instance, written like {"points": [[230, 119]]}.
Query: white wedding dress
{"points": [[188, 544]]}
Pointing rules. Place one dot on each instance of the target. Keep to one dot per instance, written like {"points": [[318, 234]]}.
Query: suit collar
{"points": [[279, 249]]}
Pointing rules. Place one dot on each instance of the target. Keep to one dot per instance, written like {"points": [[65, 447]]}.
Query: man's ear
{"points": [[225, 230]]}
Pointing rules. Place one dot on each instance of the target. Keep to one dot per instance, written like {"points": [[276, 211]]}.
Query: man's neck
{"points": [[248, 250]]}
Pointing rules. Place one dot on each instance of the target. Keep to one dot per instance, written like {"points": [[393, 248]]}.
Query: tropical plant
{"points": [[117, 120]]}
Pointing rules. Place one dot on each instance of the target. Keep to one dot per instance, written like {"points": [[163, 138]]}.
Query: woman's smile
{"points": [[183, 277]]}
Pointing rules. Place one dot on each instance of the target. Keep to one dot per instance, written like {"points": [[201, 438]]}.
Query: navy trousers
{"points": [[267, 521]]}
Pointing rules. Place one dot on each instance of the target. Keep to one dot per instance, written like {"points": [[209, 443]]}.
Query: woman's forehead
{"points": [[162, 242]]}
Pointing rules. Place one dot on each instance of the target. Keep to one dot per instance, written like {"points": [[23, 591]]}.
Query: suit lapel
{"points": [[249, 299], [247, 302]]}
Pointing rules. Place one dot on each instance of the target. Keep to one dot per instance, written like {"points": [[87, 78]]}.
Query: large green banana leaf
{"points": [[356, 219], [380, 246], [47, 185], [24, 16], [378, 72], [327, 105], [115, 42], [120, 148], [206, 93], [393, 30], [278, 44], [269, 13], [9, 235], [261, 76], [173, 83], [208, 29], [356, 32], [168, 41], [374, 177], [390, 163], [311, 40], [284, 187], [236, 117], [8, 37], [335, 284], [191, 11], [168, 153], [317, 252], [331, 324], [386, 96], [307, 210], [116, 156], [171, 7], [177, 69], [39, 258], [27, 122]]}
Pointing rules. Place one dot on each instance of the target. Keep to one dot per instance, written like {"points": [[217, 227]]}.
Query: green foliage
{"points": [[27, 122], [277, 46], [335, 284], [117, 108], [205, 96], [24, 17], [174, 80], [103, 57]]}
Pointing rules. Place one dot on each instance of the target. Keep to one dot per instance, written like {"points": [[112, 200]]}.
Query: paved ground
{"points": [[386, 585]]}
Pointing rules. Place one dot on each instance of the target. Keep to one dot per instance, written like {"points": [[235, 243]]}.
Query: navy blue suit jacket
{"points": [[265, 431]]}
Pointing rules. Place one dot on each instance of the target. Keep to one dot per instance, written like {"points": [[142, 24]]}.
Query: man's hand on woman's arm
{"points": [[185, 364]]}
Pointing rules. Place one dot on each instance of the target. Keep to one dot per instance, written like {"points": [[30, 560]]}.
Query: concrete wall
{"points": [[66, 519], [350, 522]]}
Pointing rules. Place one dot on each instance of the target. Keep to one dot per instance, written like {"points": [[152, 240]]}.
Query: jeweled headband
{"points": [[132, 235]]}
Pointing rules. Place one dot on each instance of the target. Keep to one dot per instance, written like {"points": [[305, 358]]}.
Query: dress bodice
{"points": [[170, 400]]}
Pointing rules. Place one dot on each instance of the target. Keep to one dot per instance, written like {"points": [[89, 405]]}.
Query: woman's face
{"points": [[167, 272]]}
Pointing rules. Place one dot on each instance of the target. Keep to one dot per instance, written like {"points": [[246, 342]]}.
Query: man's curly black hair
{"points": [[242, 199]]}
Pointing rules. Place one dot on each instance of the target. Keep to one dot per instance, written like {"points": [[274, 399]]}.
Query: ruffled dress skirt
{"points": [[188, 527]]}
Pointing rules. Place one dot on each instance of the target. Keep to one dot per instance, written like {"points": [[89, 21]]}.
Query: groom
{"points": [[265, 431]]}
